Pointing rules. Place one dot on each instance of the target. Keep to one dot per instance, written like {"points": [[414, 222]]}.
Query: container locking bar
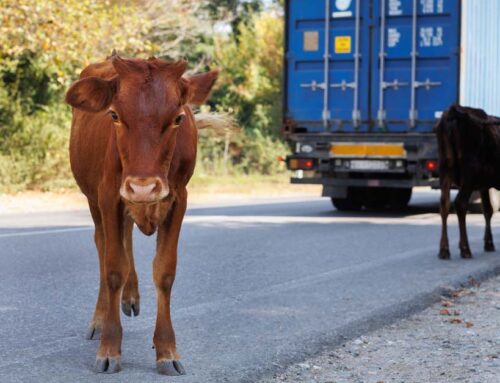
{"points": [[394, 84], [427, 84], [326, 66], [314, 85], [343, 85], [414, 53]]}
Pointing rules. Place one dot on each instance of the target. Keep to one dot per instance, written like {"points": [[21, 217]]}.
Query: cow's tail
{"points": [[222, 122]]}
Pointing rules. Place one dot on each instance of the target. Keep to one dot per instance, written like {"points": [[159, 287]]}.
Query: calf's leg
{"points": [[444, 209], [164, 265], [488, 213], [130, 295], [95, 326], [461, 205], [116, 270]]}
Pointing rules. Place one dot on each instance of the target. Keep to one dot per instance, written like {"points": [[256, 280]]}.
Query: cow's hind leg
{"points": [[444, 209], [461, 205], [488, 213], [130, 295], [95, 326], [164, 265]]}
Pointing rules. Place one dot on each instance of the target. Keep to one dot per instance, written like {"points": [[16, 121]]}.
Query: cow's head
{"points": [[145, 102]]}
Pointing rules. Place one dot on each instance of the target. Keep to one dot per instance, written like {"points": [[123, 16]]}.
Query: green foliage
{"points": [[45, 44]]}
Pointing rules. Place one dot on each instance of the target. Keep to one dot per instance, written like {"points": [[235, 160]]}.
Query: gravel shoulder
{"points": [[455, 340]]}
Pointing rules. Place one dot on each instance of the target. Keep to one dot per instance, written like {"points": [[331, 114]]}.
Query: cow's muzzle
{"points": [[143, 190]]}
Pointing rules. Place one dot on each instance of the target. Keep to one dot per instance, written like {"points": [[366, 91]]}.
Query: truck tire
{"points": [[400, 198], [352, 202]]}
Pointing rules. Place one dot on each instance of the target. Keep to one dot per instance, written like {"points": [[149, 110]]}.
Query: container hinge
{"points": [[314, 85], [344, 85], [394, 84], [427, 84]]}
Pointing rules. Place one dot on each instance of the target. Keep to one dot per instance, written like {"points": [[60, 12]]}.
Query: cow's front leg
{"points": [[164, 264], [444, 209], [116, 269], [461, 205], [130, 295]]}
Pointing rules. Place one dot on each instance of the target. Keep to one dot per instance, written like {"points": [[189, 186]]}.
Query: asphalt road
{"points": [[258, 287]]}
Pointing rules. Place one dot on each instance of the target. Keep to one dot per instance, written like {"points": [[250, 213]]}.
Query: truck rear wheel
{"points": [[400, 198], [351, 202]]}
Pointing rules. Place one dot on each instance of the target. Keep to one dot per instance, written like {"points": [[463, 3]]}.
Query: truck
{"points": [[361, 100]]}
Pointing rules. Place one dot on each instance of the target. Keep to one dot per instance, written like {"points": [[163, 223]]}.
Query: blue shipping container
{"points": [[390, 65]]}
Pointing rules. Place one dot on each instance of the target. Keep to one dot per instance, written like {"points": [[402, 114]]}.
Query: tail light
{"points": [[301, 164], [431, 165]]}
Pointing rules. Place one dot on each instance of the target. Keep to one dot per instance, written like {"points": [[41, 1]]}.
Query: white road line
{"points": [[42, 232]]}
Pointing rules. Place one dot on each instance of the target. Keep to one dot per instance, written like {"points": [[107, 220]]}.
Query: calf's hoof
{"points": [[108, 365], [93, 332], [489, 246], [170, 367], [444, 254], [131, 306]]}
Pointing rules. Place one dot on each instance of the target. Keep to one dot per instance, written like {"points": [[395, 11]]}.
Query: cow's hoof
{"points": [[131, 306], [465, 254], [444, 254], [108, 365], [93, 332], [170, 367], [489, 246]]}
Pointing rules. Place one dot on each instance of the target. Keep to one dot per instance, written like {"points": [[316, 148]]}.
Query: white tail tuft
{"points": [[222, 122]]}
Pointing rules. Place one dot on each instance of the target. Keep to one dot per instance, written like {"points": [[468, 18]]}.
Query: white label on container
{"points": [[438, 113], [428, 6], [342, 8], [337, 15], [393, 37], [395, 8], [430, 37]]}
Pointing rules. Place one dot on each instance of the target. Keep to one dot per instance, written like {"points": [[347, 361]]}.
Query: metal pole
{"points": [[326, 112], [381, 112], [413, 112], [355, 114]]}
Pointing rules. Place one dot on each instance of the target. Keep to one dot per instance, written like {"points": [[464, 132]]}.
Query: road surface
{"points": [[258, 287]]}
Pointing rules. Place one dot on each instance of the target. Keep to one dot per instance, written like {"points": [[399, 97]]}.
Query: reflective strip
{"points": [[368, 150]]}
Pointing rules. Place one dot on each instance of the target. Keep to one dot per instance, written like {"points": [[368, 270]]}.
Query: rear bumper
{"points": [[368, 182]]}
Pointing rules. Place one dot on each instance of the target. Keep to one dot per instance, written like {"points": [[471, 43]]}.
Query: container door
{"points": [[415, 62], [306, 63], [328, 91], [349, 65]]}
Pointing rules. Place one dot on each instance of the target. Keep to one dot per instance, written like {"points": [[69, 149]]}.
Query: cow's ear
{"points": [[91, 94], [200, 86]]}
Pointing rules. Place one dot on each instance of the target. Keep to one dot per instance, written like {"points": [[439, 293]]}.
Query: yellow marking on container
{"points": [[294, 164], [342, 44], [367, 150]]}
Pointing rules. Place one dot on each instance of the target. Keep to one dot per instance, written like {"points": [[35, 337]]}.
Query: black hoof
{"points": [[130, 307], [108, 365], [489, 246], [444, 254], [93, 332], [170, 367], [465, 254]]}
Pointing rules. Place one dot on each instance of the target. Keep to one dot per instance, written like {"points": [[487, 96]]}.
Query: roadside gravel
{"points": [[456, 340]]}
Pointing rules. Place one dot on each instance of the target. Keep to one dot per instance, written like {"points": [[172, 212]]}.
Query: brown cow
{"points": [[469, 158], [132, 152]]}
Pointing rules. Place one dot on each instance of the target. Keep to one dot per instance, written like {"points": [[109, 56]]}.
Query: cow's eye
{"points": [[114, 116], [179, 119]]}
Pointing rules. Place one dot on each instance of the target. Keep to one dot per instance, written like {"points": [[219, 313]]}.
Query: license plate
{"points": [[369, 165]]}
